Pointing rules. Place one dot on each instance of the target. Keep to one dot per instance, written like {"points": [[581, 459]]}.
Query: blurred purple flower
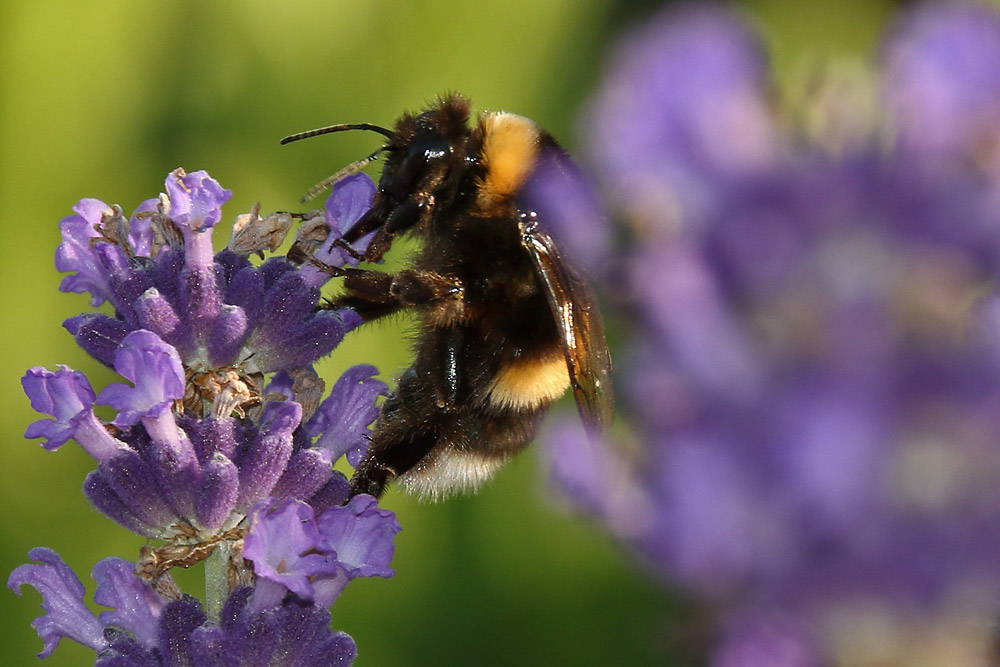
{"points": [[682, 111], [942, 89], [813, 370]]}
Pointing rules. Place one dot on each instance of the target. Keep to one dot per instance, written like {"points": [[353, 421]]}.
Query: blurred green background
{"points": [[103, 98]]}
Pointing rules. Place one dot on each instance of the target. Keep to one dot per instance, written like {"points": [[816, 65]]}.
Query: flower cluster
{"points": [[812, 374], [222, 446]]}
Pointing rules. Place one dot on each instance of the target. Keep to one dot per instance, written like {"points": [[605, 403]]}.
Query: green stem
{"points": [[217, 579]]}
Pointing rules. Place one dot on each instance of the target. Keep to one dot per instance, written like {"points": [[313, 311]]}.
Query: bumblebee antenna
{"points": [[329, 181], [339, 128]]}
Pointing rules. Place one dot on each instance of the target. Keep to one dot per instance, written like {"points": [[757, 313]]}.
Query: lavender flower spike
{"points": [[218, 354]]}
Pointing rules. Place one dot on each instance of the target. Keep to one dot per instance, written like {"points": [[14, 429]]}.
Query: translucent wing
{"points": [[579, 324]]}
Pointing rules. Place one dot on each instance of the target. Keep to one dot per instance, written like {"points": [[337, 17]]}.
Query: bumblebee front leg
{"points": [[369, 293], [373, 294]]}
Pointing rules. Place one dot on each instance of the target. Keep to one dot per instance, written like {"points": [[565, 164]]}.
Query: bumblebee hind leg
{"points": [[384, 464]]}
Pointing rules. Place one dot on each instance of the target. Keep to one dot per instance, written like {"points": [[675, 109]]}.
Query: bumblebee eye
{"points": [[425, 150]]}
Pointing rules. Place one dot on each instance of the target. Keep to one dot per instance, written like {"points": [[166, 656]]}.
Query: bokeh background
{"points": [[102, 99]]}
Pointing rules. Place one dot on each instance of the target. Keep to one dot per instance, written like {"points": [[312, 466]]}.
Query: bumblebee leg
{"points": [[369, 293], [374, 294], [407, 288], [384, 465], [442, 296], [400, 441]]}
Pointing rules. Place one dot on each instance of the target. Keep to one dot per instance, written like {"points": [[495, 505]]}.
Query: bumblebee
{"points": [[506, 325]]}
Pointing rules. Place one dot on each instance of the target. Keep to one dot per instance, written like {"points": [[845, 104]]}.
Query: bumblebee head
{"points": [[420, 153]]}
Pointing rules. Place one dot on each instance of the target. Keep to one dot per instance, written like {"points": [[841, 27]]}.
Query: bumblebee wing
{"points": [[579, 325]]}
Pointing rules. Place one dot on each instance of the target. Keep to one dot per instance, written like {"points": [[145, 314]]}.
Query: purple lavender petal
{"points": [[291, 635], [156, 371], [214, 436], [77, 253], [217, 492], [233, 611], [132, 481], [67, 396], [62, 599], [106, 500], [226, 340], [362, 535], [288, 302], [209, 643], [281, 384], [63, 394], [135, 607], [688, 307], [199, 305], [166, 271], [155, 313], [282, 543], [312, 340], [126, 652], [286, 299], [263, 462], [180, 618], [98, 335], [196, 199], [175, 465], [333, 494], [350, 198], [304, 638], [230, 264], [715, 523], [289, 333], [307, 472], [246, 290], [127, 284], [595, 480], [253, 638], [832, 440], [341, 423], [141, 235]]}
